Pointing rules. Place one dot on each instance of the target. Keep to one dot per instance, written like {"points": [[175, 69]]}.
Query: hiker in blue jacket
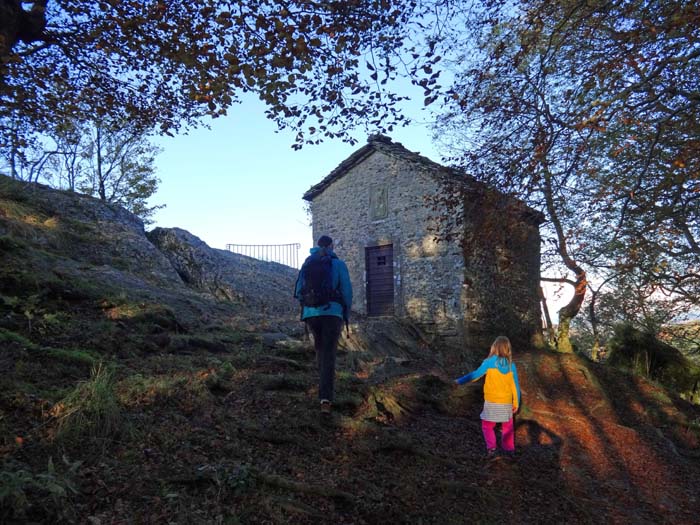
{"points": [[323, 288]]}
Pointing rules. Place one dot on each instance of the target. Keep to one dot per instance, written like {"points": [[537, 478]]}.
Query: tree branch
{"points": [[558, 280]]}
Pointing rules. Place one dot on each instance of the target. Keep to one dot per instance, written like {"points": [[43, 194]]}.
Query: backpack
{"points": [[317, 281]]}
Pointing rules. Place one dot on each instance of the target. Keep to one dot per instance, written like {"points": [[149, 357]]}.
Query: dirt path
{"points": [[239, 439]]}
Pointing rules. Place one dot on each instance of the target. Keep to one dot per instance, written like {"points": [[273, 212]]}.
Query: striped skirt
{"points": [[497, 412]]}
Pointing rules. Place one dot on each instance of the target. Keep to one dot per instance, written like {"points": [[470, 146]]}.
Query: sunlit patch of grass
{"points": [[34, 220], [119, 306], [659, 395], [356, 428], [124, 311], [25, 213], [16, 210], [91, 410], [186, 391], [51, 223], [137, 390], [145, 316]]}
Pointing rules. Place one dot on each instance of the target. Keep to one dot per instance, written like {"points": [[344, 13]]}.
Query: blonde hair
{"points": [[501, 348]]}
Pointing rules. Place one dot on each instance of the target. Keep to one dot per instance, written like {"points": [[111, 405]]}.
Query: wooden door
{"points": [[379, 263]]}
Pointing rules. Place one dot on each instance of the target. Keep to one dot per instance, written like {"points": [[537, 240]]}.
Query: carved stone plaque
{"points": [[378, 203]]}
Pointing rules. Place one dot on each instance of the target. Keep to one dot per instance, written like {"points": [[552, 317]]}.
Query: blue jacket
{"points": [[501, 385], [341, 282]]}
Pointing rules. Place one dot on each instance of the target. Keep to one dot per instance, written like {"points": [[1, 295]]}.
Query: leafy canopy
{"points": [[318, 65], [590, 111]]}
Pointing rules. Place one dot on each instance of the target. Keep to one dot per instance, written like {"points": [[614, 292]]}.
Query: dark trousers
{"points": [[326, 331]]}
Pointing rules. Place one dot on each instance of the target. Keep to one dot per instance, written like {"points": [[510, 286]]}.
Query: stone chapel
{"points": [[431, 246]]}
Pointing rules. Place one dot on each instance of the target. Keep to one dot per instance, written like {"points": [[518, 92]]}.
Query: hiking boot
{"points": [[325, 407]]}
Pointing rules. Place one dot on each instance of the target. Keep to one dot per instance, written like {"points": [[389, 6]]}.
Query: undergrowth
{"points": [[24, 494], [91, 410]]}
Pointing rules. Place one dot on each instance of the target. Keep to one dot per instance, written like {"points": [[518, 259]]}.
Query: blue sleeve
{"points": [[515, 379], [476, 374], [344, 285], [297, 286]]}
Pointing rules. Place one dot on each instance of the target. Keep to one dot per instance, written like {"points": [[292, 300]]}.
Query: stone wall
{"points": [[501, 249], [382, 201]]}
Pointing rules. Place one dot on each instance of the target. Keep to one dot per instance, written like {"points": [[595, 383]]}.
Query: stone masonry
{"points": [[482, 282]]}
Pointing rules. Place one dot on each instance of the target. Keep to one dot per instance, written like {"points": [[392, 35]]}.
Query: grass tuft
{"points": [[91, 410], [8, 336]]}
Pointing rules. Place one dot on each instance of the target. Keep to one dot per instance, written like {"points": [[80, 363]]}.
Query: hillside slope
{"points": [[69, 258], [129, 396], [237, 438]]}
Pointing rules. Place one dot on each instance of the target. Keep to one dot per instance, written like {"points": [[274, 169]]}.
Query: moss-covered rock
{"points": [[646, 355]]}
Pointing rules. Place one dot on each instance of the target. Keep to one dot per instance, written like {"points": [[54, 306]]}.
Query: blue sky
{"points": [[241, 182]]}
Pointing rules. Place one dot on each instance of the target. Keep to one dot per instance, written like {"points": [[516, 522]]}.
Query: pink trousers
{"points": [[507, 435]]}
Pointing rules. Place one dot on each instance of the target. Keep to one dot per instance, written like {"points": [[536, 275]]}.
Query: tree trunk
{"points": [[101, 191], [594, 326], [570, 311], [13, 158], [551, 337], [17, 24]]}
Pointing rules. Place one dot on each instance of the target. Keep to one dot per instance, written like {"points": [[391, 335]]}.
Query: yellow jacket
{"points": [[501, 385]]}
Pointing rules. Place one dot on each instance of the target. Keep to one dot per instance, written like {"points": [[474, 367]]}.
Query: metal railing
{"points": [[287, 254]]}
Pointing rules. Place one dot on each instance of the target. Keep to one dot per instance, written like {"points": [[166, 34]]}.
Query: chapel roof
{"points": [[383, 144]]}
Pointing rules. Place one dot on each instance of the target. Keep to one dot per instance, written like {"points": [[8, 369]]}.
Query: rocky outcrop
{"points": [[63, 241], [82, 229], [646, 355], [264, 287]]}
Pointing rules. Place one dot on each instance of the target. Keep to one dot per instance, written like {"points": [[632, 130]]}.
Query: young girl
{"points": [[501, 395]]}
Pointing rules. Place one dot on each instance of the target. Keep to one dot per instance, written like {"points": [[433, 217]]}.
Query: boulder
{"points": [[264, 287]]}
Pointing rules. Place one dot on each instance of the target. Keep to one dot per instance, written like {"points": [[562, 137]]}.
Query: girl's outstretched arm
{"points": [[517, 386], [476, 374]]}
